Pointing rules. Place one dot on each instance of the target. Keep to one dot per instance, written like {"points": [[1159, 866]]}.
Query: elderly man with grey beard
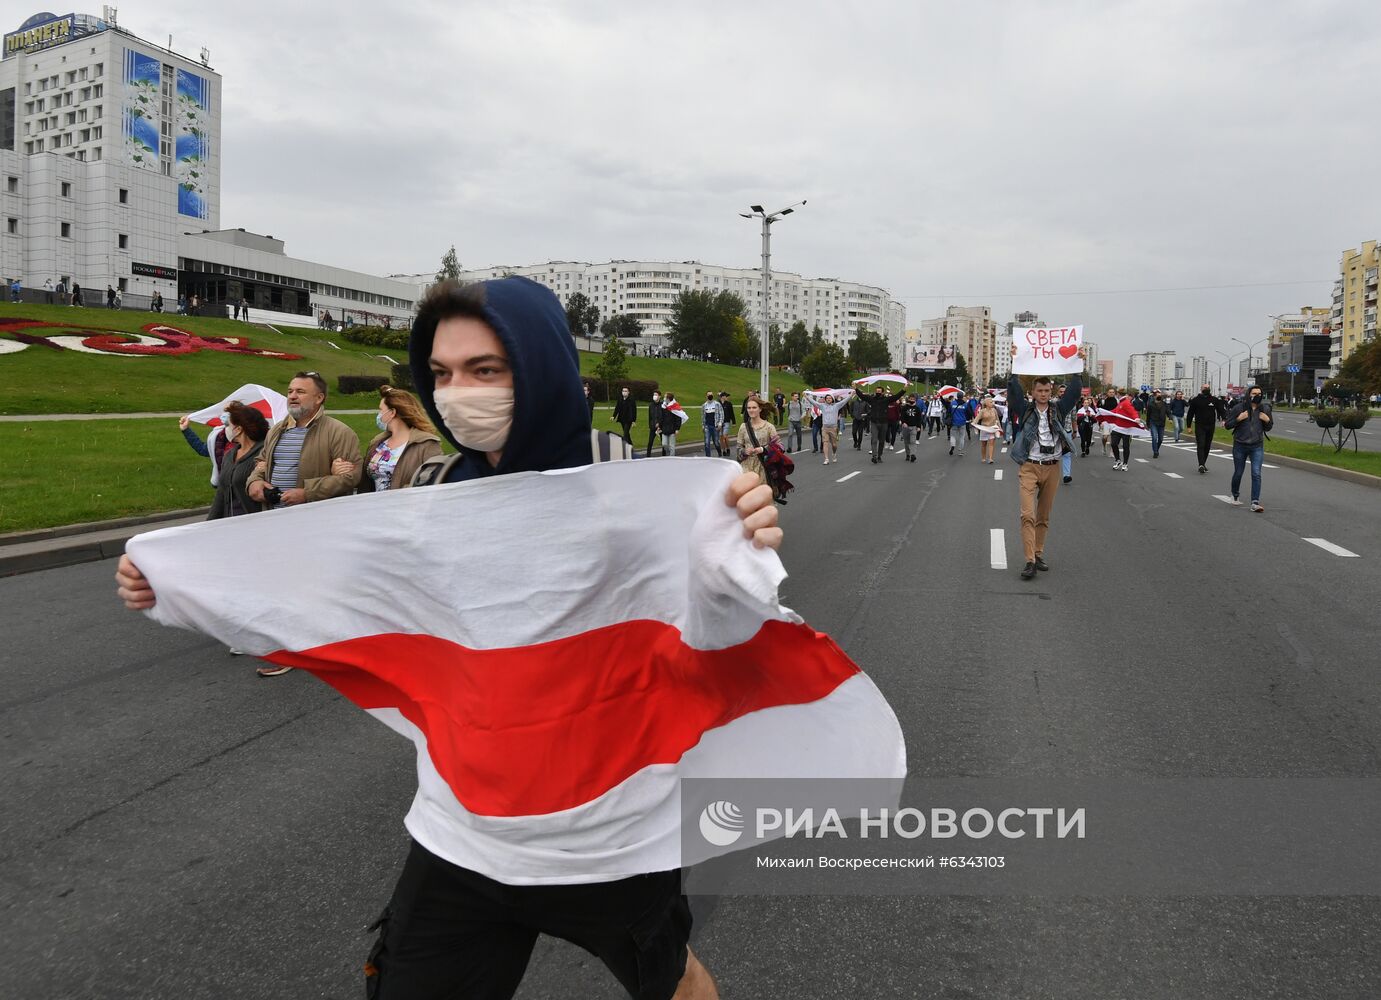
{"points": [[297, 458]]}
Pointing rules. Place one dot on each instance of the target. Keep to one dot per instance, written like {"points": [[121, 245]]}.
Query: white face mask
{"points": [[480, 417]]}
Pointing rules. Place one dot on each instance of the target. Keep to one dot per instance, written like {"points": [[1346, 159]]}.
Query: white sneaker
{"points": [[1116, 466], [1125, 466], [1236, 502]]}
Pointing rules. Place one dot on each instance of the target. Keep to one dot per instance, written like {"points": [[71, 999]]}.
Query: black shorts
{"points": [[451, 932]]}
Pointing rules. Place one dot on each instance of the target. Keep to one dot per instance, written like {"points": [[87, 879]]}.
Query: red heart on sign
{"points": [[1069, 350]]}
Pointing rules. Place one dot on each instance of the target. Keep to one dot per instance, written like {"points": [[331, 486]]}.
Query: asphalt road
{"points": [[175, 827]]}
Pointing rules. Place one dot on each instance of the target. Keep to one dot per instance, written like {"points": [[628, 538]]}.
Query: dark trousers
{"points": [[1157, 436], [1124, 441], [816, 428], [879, 440], [1085, 437], [627, 437], [859, 428], [1203, 440], [651, 440]]}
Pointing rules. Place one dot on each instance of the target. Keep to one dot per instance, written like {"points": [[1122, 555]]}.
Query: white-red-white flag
{"points": [[273, 405], [885, 377], [1122, 424], [559, 670], [675, 407]]}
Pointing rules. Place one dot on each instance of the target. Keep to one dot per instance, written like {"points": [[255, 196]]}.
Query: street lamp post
{"points": [[767, 219], [1250, 348], [1225, 363]]}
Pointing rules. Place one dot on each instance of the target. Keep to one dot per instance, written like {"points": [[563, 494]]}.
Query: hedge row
{"points": [[639, 389], [376, 336], [347, 385]]}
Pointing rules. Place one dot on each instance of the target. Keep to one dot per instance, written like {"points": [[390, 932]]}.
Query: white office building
{"points": [[1152, 368], [110, 176], [646, 289]]}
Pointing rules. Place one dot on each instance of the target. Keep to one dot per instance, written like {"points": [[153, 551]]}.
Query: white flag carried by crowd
{"points": [[1038, 350], [273, 405], [560, 652]]}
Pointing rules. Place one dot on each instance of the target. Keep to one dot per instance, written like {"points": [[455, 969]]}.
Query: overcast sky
{"points": [[1003, 154]]}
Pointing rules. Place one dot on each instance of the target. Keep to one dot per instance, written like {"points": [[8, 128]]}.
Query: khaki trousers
{"points": [[831, 440], [1038, 486]]}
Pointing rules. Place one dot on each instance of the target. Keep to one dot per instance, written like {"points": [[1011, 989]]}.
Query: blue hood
{"points": [[551, 420]]}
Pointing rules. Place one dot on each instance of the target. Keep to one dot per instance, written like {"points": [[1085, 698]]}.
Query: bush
{"points": [[377, 336], [402, 378], [1326, 418], [1353, 419], [348, 385], [639, 389]]}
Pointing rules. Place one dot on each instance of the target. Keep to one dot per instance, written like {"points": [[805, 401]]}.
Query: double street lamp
{"points": [[1250, 348], [767, 219]]}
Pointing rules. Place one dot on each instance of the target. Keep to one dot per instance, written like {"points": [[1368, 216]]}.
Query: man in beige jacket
{"points": [[298, 452]]}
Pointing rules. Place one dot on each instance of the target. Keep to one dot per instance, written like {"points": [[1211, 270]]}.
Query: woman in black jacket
{"points": [[246, 432]]}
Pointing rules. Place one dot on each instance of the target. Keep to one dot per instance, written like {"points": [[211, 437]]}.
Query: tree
{"points": [[869, 350], [702, 323], [776, 353], [961, 371], [817, 338], [612, 365], [827, 365], [450, 266], [621, 327], [582, 316], [1361, 372], [796, 343]]}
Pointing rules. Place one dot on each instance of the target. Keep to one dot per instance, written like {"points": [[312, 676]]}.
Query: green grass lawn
{"points": [[69, 471], [1358, 461], [42, 380]]}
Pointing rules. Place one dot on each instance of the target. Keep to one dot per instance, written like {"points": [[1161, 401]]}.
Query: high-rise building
{"points": [[970, 329], [1335, 329], [1105, 372], [1310, 320], [111, 147], [1198, 372], [1247, 369], [1359, 281], [1092, 363], [1152, 368], [646, 290], [1002, 361]]}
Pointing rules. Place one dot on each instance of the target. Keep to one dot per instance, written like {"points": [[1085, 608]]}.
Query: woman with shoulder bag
{"points": [[755, 436]]}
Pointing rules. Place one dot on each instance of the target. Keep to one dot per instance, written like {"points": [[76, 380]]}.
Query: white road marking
{"points": [[849, 476], [1219, 496], [1004, 450], [997, 475], [1328, 546], [997, 543], [1174, 475], [1144, 461], [1266, 465]]}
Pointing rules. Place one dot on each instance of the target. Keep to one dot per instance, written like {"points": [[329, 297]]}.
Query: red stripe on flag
{"points": [[538, 729]]}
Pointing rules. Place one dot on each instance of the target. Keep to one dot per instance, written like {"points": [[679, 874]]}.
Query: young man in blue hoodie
{"points": [[497, 371]]}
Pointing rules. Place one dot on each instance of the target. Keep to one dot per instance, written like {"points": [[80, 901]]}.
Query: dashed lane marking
{"points": [[997, 475], [1144, 461], [1328, 546], [997, 548], [1174, 475], [849, 476], [1225, 499], [1004, 451]]}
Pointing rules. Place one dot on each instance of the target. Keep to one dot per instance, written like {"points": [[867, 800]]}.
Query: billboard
{"points": [[930, 355], [192, 143], [139, 115], [40, 32]]}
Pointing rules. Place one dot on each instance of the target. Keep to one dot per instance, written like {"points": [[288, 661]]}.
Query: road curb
{"points": [[70, 545], [1331, 471]]}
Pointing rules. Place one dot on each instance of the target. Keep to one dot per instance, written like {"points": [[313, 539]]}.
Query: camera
{"points": [[272, 495], [1047, 449]]}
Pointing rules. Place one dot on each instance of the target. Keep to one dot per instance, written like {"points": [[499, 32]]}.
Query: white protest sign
{"points": [[1038, 350]]}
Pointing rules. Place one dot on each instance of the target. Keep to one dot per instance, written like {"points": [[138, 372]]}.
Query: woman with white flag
{"points": [[989, 430]]}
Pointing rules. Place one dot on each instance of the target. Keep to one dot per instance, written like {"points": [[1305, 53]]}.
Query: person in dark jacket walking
{"points": [[858, 411], [1178, 406], [1207, 410], [726, 425], [654, 422], [589, 402], [912, 417], [245, 431], [1156, 413], [626, 413], [1249, 421], [877, 416]]}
